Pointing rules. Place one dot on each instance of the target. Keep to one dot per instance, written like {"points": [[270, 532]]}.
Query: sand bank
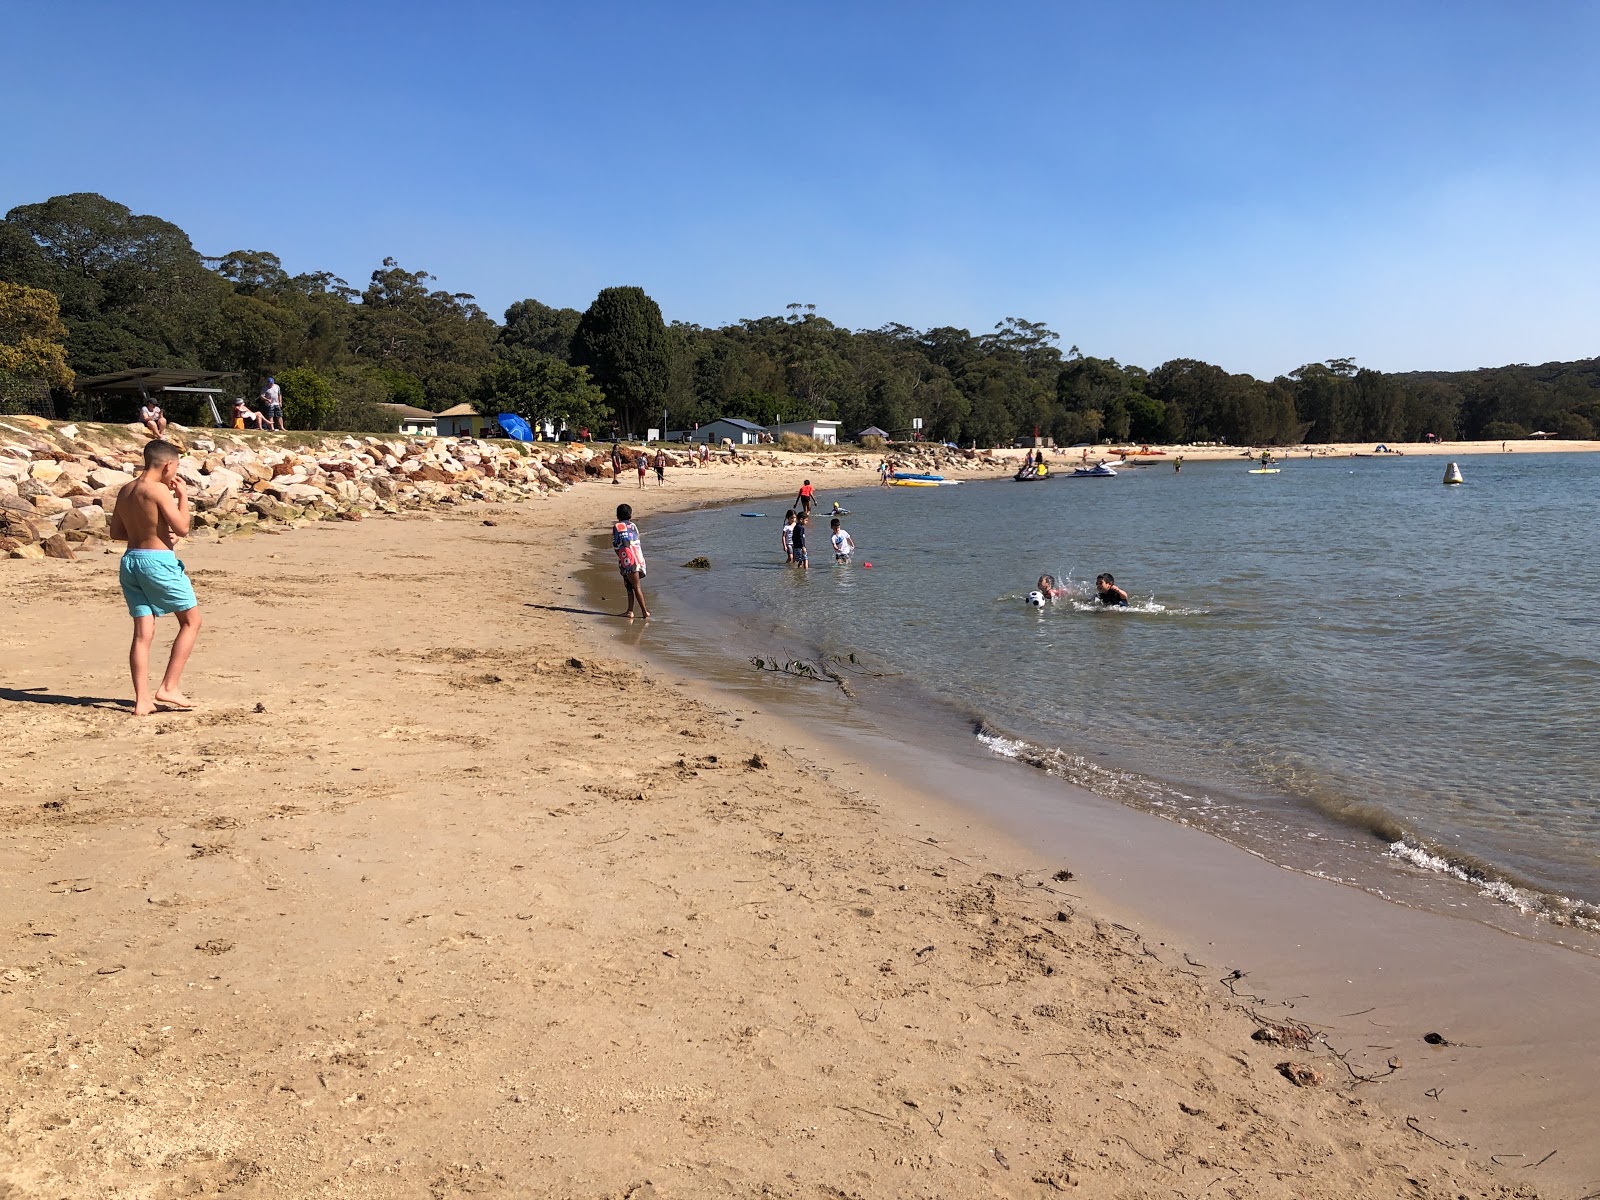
{"points": [[440, 894]]}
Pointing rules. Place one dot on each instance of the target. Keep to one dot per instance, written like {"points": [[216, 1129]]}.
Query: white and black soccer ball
{"points": [[1036, 599]]}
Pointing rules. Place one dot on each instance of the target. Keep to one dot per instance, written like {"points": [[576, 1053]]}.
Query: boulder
{"points": [[88, 517], [28, 550], [55, 546], [105, 477], [223, 480], [49, 505]]}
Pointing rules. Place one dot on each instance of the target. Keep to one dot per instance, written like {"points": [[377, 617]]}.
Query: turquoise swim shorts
{"points": [[154, 583]]}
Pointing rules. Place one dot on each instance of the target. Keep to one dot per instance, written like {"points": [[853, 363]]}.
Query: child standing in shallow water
{"points": [[630, 558], [788, 536], [800, 542], [151, 514]]}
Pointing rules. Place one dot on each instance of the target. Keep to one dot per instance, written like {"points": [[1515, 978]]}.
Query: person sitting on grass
{"points": [[244, 417], [152, 418]]}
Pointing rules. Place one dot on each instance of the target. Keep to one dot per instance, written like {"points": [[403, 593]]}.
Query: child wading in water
{"points": [[843, 544], [151, 514], [800, 542], [630, 558], [787, 536]]}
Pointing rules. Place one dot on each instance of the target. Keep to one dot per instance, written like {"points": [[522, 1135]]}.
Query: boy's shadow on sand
{"points": [[40, 696], [566, 608]]}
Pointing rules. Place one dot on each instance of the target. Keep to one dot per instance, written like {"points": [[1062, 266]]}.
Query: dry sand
{"points": [[439, 894]]}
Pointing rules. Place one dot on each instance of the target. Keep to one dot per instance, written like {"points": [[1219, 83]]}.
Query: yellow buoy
{"points": [[1452, 474]]}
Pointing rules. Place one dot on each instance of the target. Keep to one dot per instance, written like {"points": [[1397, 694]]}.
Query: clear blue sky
{"points": [[1255, 184]]}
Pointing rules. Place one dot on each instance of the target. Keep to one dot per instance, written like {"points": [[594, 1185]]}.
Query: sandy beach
{"points": [[445, 891]]}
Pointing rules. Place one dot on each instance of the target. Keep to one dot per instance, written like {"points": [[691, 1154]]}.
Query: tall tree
{"points": [[441, 338], [133, 291], [531, 325], [623, 341]]}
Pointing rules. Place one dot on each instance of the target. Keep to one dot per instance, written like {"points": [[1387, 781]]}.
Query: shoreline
{"points": [[450, 900], [1402, 963]]}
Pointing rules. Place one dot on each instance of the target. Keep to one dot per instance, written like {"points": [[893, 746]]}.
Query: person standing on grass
{"points": [[151, 514], [630, 558], [272, 405]]}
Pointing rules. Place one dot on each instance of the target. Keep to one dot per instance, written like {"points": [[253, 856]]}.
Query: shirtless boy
{"points": [[152, 513]]}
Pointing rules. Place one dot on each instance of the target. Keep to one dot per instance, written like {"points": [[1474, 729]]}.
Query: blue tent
{"points": [[515, 427]]}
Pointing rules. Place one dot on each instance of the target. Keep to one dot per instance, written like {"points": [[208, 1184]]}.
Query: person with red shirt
{"points": [[807, 495]]}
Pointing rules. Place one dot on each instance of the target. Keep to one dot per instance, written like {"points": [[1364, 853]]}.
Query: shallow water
{"points": [[1347, 651]]}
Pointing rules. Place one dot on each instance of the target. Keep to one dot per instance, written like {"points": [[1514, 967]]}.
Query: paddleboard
{"points": [[1265, 470], [752, 514], [913, 483]]}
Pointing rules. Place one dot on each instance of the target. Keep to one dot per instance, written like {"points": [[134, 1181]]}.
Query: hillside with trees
{"points": [[133, 291]]}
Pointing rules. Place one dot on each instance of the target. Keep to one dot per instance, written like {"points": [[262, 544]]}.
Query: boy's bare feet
{"points": [[143, 710], [174, 699]]}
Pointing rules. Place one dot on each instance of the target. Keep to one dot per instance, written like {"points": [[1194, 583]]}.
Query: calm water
{"points": [[1348, 652]]}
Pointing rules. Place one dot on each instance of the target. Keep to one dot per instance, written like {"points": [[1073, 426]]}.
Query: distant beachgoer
{"points": [[798, 539], [630, 558], [787, 536], [642, 464], [705, 454], [843, 544], [661, 468], [151, 514], [1050, 589], [616, 463], [245, 417], [1177, 463], [806, 496], [1108, 593], [152, 418], [272, 404]]}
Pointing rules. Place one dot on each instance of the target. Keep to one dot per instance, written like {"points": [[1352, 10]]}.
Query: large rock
{"points": [[222, 480], [105, 477], [55, 546], [46, 472], [88, 517], [28, 550], [49, 505]]}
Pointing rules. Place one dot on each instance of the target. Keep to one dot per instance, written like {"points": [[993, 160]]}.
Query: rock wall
{"points": [[59, 483]]}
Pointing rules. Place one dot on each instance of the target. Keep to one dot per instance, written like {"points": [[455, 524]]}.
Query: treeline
{"points": [[133, 291]]}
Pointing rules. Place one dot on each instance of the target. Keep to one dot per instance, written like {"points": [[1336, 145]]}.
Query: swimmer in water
{"points": [[1048, 587], [1108, 593]]}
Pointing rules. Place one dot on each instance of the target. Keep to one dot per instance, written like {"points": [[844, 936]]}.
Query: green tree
{"points": [[307, 398], [623, 342], [31, 335], [543, 390], [531, 325], [441, 338], [132, 289]]}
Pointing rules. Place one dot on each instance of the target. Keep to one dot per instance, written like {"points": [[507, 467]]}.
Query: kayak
{"points": [[913, 475], [914, 483], [752, 514]]}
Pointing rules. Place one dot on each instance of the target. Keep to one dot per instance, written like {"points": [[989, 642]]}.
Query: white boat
{"points": [[1101, 471]]}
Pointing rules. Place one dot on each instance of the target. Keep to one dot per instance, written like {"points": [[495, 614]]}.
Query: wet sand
{"points": [[441, 893]]}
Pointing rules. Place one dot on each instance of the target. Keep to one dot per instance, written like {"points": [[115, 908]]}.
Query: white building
{"points": [[821, 431], [417, 422], [740, 433]]}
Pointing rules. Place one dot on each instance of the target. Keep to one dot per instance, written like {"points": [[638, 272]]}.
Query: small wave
{"points": [[1222, 817], [1558, 910]]}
